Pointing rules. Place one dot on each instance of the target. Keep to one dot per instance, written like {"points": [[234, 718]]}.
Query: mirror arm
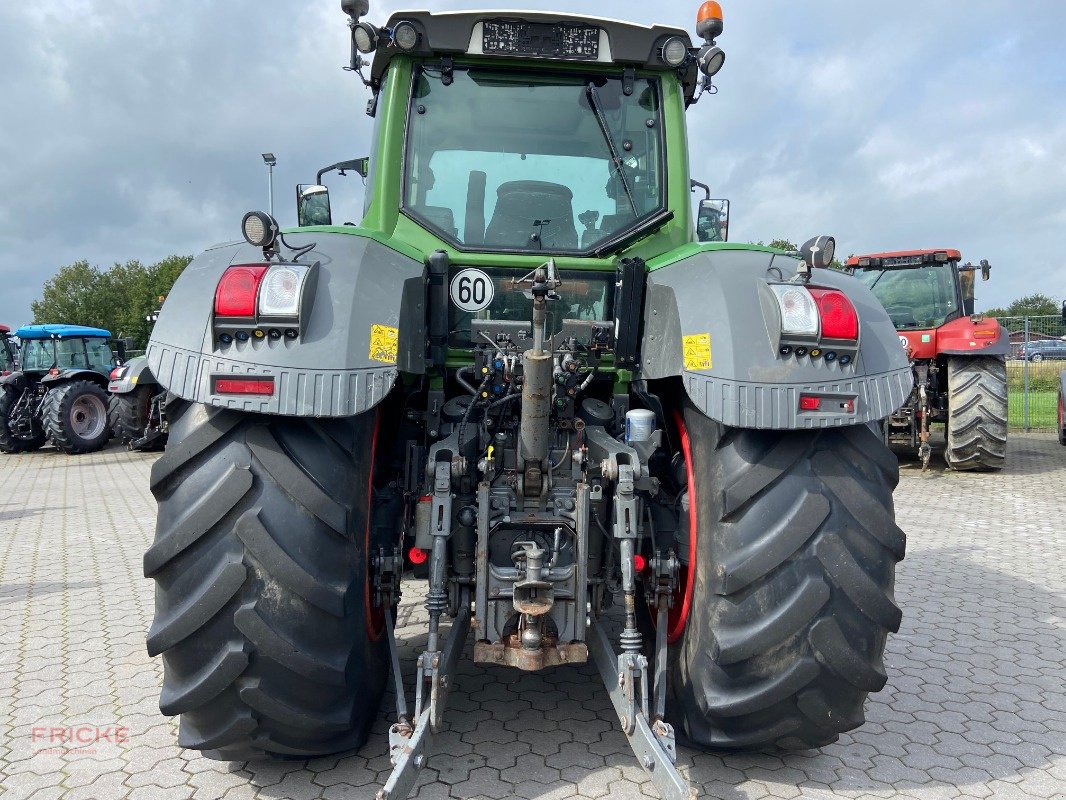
{"points": [[694, 185], [355, 165]]}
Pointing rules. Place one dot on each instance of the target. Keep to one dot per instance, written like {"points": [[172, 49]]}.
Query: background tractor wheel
{"points": [[1062, 419], [977, 413], [128, 413], [74, 417], [791, 593], [263, 617], [9, 442]]}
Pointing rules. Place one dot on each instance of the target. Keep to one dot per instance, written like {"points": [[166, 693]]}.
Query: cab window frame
{"points": [[653, 78]]}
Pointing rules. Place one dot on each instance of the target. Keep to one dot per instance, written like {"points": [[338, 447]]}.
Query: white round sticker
{"points": [[904, 342], [471, 290]]}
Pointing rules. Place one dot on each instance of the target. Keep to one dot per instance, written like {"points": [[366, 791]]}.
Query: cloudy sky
{"points": [[133, 128]]}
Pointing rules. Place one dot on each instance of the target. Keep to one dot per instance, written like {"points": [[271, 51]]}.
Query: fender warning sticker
{"points": [[383, 343], [697, 349]]}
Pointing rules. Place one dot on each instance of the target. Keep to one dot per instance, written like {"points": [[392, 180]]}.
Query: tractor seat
{"points": [[441, 216], [519, 204]]}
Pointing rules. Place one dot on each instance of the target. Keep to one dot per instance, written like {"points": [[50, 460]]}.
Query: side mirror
{"points": [[819, 252], [312, 205], [712, 221], [986, 269]]}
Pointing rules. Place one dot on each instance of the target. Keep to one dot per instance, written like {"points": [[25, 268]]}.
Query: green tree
{"points": [[1033, 305], [119, 299], [73, 296], [783, 244]]}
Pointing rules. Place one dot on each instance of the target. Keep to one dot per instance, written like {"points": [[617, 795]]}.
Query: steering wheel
{"points": [[899, 313]]}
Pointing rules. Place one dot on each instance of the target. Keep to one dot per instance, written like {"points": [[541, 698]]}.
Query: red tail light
{"points": [[244, 385], [810, 402], [839, 320], [417, 555], [235, 293]]}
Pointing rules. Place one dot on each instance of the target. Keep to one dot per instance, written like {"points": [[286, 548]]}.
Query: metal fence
{"points": [[1037, 355]]}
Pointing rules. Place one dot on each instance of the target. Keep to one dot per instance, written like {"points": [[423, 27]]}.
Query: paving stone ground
{"points": [[975, 705]]}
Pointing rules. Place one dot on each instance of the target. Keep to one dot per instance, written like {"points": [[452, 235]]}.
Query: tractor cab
{"points": [[7, 351], [527, 134], [925, 291], [56, 351], [920, 289]]}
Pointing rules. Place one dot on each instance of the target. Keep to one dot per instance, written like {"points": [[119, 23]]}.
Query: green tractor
{"points": [[59, 392], [521, 372]]}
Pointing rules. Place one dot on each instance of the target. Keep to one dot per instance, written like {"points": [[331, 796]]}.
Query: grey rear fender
{"points": [[724, 295], [136, 373], [345, 359]]}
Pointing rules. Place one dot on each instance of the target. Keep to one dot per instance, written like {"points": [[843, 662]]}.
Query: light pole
{"points": [[270, 161]]}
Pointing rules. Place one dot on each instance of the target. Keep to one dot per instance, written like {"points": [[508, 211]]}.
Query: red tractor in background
{"points": [[959, 358]]}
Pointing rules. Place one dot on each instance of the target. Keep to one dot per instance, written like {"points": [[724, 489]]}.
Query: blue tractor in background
{"points": [[59, 394]]}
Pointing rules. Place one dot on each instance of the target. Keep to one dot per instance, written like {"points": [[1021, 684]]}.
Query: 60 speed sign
{"points": [[471, 290]]}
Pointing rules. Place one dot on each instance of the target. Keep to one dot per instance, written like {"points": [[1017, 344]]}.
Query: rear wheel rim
{"points": [[88, 416], [679, 611], [375, 616]]}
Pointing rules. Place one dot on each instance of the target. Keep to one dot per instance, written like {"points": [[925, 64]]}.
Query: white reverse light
{"points": [[799, 312], [281, 290]]}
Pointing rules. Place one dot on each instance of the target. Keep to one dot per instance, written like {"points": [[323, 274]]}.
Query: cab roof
{"points": [[61, 332], [459, 33], [953, 255]]}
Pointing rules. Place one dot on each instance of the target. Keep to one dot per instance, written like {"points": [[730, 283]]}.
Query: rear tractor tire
{"points": [[74, 417], [977, 413], [9, 442], [270, 646], [791, 592], [128, 413]]}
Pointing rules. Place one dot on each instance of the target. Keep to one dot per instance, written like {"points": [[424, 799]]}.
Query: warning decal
{"points": [[697, 351], [383, 343]]}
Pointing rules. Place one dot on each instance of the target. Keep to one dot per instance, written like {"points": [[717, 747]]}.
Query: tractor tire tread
{"points": [[260, 616], [128, 413], [55, 417], [977, 413], [783, 655]]}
